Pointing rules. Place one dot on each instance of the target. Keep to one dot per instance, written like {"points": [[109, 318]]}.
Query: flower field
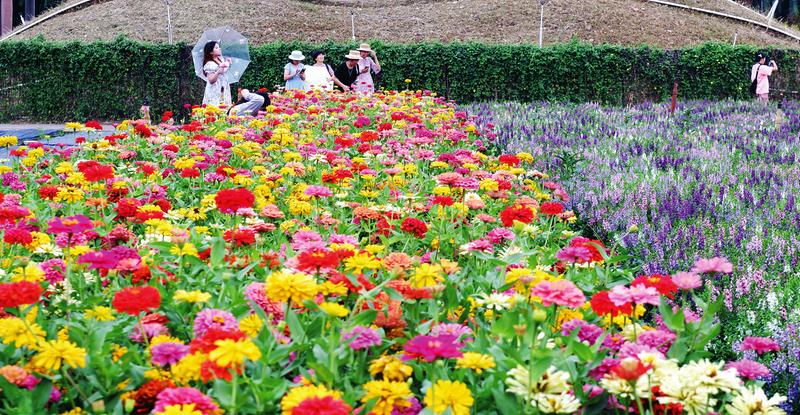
{"points": [[339, 255], [715, 179]]}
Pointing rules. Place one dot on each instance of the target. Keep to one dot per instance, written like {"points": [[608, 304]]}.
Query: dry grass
{"points": [[626, 22]]}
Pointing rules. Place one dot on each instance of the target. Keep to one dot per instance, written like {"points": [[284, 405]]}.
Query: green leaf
{"points": [[505, 403]]}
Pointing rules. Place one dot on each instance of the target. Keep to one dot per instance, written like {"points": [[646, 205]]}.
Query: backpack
{"points": [[754, 84]]}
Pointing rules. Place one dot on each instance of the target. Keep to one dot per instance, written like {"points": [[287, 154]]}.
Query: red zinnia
{"points": [[551, 208], [134, 300], [518, 213], [15, 294], [591, 245], [127, 208], [48, 192], [602, 305], [145, 397], [414, 226], [94, 171], [662, 283], [94, 124], [313, 261], [231, 200], [321, 406], [18, 236], [241, 236], [443, 200], [509, 159]]}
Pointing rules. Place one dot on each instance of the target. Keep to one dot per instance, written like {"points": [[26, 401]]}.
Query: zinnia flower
{"points": [[447, 395], [749, 369], [134, 300], [362, 337], [15, 294], [430, 348], [297, 287], [687, 280], [185, 396], [560, 292], [168, 353], [712, 266], [517, 213], [387, 395], [760, 345], [53, 354], [325, 405], [211, 317], [231, 200]]}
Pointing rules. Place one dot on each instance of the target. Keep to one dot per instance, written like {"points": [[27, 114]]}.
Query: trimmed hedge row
{"points": [[57, 81]]}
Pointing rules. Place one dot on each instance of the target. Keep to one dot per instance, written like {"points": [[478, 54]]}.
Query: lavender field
{"points": [[714, 179]]}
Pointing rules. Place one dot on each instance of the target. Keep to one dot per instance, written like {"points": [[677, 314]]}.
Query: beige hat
{"points": [[364, 48], [353, 54]]}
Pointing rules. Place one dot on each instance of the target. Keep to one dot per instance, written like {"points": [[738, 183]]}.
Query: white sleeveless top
{"points": [[317, 78]]}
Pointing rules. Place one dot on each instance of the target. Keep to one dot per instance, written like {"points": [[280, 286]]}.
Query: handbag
{"points": [[754, 84]]}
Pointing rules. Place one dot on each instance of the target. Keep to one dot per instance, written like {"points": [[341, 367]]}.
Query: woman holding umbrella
{"points": [[215, 68]]}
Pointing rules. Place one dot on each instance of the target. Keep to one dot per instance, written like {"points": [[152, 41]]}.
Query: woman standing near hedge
{"points": [[218, 89], [294, 71]]}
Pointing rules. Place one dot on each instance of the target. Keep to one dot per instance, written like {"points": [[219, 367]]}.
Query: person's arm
{"points": [[774, 66], [376, 67], [287, 73], [214, 75]]}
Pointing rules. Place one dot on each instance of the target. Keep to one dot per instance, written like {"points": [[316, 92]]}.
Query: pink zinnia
{"points": [[318, 191], [760, 345], [185, 396], [561, 292], [168, 353], [620, 295], [99, 260], [713, 265], [363, 337], [429, 348], [211, 317], [644, 295], [257, 293], [749, 369], [687, 280], [575, 254], [70, 224]]}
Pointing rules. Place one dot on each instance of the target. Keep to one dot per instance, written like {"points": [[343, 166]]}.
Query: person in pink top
{"points": [[760, 73], [366, 65]]}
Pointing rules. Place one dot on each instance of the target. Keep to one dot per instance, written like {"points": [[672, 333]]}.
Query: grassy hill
{"points": [[626, 22]]}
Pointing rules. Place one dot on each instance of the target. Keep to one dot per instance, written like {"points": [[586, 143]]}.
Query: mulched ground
{"points": [[626, 22]]}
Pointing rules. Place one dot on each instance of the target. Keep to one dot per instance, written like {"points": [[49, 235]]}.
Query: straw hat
{"points": [[353, 54], [364, 47], [296, 56]]}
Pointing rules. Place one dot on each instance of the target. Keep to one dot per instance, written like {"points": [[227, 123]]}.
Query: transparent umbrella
{"points": [[234, 47]]}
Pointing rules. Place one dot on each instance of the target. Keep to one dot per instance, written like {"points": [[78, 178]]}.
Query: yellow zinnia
{"points": [[475, 361], [445, 395], [297, 287], [232, 353], [389, 395], [55, 353]]}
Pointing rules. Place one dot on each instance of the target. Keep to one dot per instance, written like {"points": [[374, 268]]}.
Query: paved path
{"points": [[43, 133]]}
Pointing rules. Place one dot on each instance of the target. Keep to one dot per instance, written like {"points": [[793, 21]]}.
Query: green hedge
{"points": [[108, 80]]}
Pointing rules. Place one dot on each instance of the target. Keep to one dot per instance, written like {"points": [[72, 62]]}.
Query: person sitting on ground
{"points": [[294, 71], [760, 74], [320, 75], [367, 64], [250, 103], [347, 71]]}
